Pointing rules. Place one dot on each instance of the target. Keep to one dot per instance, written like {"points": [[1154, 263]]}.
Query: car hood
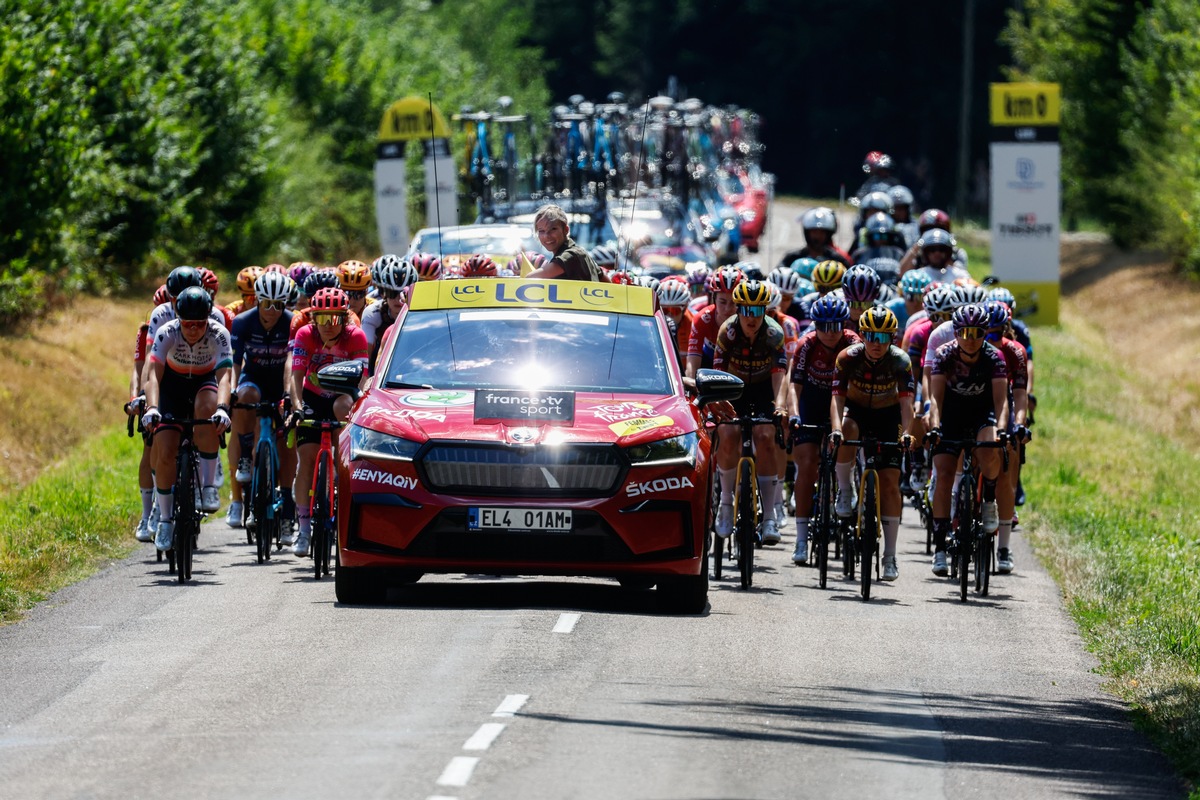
{"points": [[600, 417]]}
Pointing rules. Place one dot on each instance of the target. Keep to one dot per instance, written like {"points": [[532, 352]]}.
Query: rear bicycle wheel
{"points": [[320, 517], [868, 531], [983, 562], [744, 514]]}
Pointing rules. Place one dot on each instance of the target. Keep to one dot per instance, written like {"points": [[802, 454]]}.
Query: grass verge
{"points": [[1114, 519], [63, 525]]}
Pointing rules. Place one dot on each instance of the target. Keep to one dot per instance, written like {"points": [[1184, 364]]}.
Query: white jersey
{"points": [[939, 336], [166, 312], [211, 353], [948, 275]]}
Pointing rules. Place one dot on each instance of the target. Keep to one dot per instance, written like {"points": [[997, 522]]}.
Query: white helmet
{"points": [[774, 296], [649, 281], [273, 286], [394, 274], [673, 293], [819, 219], [787, 280]]}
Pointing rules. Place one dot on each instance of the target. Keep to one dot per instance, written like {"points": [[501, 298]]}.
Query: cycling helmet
{"points": [[878, 319], [649, 281], [604, 256], [775, 296], [161, 295], [998, 314], [394, 276], [914, 283], [888, 269], [1004, 296], [806, 287], [876, 160], [787, 281], [531, 258], [901, 196], [246, 279], [972, 315], [193, 303], [181, 278], [725, 279], [353, 276], [804, 267], [967, 295], [478, 266], [819, 219], [876, 202], [939, 300], [672, 294], [828, 275], [751, 293], [887, 293], [299, 270], [860, 284], [697, 275], [428, 266], [273, 286], [321, 279], [209, 280], [622, 277], [751, 269], [829, 309], [330, 300], [294, 295], [377, 264], [934, 218], [936, 237], [879, 226], [275, 268]]}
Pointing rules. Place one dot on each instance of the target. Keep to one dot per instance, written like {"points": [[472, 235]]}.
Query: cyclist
{"points": [[321, 279], [943, 333], [790, 284], [872, 397], [570, 261], [299, 271], [913, 286], [934, 254], [820, 225], [707, 323], [999, 319], [860, 287], [809, 401], [148, 523], [330, 338], [392, 275], [750, 345], [180, 279], [804, 267], [826, 277], [673, 298], [878, 167], [188, 375], [906, 226], [260, 339], [968, 393], [245, 286], [354, 278]]}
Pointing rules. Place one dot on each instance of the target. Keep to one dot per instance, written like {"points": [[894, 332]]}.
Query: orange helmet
{"points": [[354, 276], [246, 279]]}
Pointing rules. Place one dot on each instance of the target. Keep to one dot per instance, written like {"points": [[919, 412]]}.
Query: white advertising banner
{"points": [[391, 205], [1025, 212], [441, 189]]}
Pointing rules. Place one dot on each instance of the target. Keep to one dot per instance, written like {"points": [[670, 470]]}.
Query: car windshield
{"points": [[651, 226], [530, 347], [476, 242]]}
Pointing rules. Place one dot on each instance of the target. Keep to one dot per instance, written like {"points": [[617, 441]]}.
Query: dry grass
{"points": [[65, 380]]}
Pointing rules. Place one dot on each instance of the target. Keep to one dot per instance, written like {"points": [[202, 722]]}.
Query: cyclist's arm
{"points": [[223, 386], [153, 377], [1029, 375], [1020, 406], [1000, 400], [837, 407], [693, 364], [937, 396], [779, 386], [906, 415]]}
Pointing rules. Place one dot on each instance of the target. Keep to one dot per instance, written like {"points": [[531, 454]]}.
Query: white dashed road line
{"points": [[484, 737], [458, 771], [511, 705], [566, 623]]}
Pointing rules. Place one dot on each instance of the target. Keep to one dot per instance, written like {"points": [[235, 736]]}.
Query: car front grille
{"points": [[529, 471]]}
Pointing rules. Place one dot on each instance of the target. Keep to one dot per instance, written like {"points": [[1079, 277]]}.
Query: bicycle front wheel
{"points": [[868, 531], [185, 517], [745, 514], [824, 519], [264, 490], [320, 518], [983, 562], [967, 526]]}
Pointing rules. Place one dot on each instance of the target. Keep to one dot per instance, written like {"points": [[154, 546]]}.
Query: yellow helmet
{"points": [[827, 275], [751, 293], [246, 279], [353, 276], [878, 319]]}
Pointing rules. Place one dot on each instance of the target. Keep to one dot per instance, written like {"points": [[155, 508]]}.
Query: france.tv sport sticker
{"points": [[525, 406], [627, 426]]}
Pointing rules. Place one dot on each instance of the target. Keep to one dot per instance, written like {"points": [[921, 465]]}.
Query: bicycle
{"points": [[862, 537], [323, 507], [187, 513], [745, 497], [822, 526], [969, 543], [480, 173], [264, 524]]}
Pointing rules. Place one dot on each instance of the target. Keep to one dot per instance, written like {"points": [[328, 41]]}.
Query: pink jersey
{"points": [[916, 339], [942, 334], [310, 353]]}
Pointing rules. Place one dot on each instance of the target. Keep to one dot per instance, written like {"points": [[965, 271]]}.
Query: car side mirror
{"points": [[714, 385], [343, 378]]}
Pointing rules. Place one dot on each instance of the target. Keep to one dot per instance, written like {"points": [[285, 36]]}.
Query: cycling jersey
{"points": [[830, 253], [914, 319], [1014, 362], [240, 306], [1021, 334], [753, 360], [947, 274], [791, 332], [375, 321], [166, 312], [940, 335], [968, 383], [916, 339], [310, 353], [683, 333], [262, 353], [302, 317], [212, 352], [142, 346], [872, 385], [703, 336]]}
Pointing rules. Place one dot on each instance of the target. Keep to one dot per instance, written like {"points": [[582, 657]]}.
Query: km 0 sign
{"points": [[1034, 104]]}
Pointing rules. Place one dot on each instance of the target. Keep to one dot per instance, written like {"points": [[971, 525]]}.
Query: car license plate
{"points": [[546, 520]]}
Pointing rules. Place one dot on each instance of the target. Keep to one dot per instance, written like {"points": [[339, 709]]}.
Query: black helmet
{"points": [[321, 279], [193, 303], [181, 278]]}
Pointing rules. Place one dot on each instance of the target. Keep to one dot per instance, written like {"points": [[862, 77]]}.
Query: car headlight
{"points": [[676, 450], [366, 443]]}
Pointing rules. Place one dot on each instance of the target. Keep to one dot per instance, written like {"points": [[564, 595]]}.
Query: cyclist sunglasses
{"points": [[329, 318], [830, 327], [752, 311], [877, 337], [272, 305], [863, 304], [969, 334], [390, 294], [674, 311], [193, 324], [356, 295]]}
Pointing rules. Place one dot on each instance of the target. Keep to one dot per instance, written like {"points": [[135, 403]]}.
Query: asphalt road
{"points": [[254, 682]]}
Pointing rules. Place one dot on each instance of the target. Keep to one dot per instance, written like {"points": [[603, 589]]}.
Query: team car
{"points": [[526, 427], [500, 242]]}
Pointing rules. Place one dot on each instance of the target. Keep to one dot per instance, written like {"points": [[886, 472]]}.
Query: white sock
{"points": [[147, 502], [208, 469], [843, 470], [728, 476], [891, 532], [801, 530], [1004, 534], [304, 520], [166, 504]]}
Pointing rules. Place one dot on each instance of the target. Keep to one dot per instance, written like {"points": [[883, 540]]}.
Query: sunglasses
{"points": [[830, 327], [272, 305], [356, 295], [389, 294], [941, 316], [863, 304], [329, 318], [673, 311], [877, 337], [969, 334], [752, 311], [193, 324]]}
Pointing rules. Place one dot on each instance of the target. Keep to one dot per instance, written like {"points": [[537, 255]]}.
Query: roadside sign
{"points": [[412, 119], [1026, 104]]}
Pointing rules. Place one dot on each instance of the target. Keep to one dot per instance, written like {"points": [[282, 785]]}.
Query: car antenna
{"points": [[437, 201], [637, 182]]}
